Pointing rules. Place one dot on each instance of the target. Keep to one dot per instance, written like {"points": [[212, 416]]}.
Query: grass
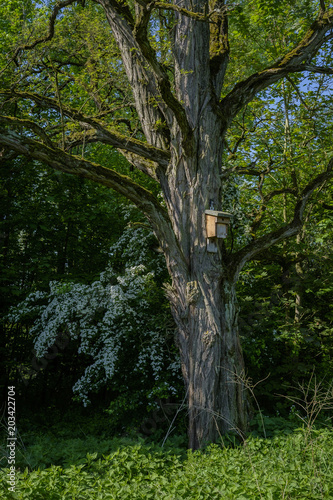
{"points": [[290, 464]]}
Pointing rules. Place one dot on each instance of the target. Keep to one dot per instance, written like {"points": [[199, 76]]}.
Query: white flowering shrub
{"points": [[120, 322]]}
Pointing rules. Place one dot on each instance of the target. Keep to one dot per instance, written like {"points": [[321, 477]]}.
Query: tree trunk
{"points": [[216, 396], [211, 355], [203, 294]]}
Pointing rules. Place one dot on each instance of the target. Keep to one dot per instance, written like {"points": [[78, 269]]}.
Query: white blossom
{"points": [[104, 316]]}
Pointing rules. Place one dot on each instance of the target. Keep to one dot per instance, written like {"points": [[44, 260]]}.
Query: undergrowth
{"points": [[290, 464], [82, 460]]}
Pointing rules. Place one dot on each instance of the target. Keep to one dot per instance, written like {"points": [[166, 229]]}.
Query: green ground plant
{"points": [[285, 466], [82, 460]]}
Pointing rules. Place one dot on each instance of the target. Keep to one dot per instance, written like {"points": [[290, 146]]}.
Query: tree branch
{"points": [[121, 9], [72, 164], [27, 124], [297, 60], [315, 69], [102, 133], [168, 6], [148, 167], [43, 39], [140, 196], [249, 170], [163, 82], [149, 105], [291, 229]]}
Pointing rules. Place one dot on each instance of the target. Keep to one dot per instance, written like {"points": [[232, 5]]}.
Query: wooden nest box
{"points": [[216, 227]]}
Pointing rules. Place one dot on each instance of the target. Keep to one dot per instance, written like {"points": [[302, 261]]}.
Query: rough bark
{"points": [[214, 368]]}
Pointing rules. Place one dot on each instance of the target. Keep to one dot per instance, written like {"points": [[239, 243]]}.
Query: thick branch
{"points": [[242, 171], [103, 134], [149, 105], [163, 82], [141, 197], [249, 170], [297, 60], [148, 167], [218, 44], [60, 160], [261, 244], [121, 9], [278, 192], [29, 125], [315, 69], [185, 12]]}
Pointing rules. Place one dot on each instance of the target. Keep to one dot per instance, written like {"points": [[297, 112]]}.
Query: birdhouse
{"points": [[217, 223], [216, 227]]}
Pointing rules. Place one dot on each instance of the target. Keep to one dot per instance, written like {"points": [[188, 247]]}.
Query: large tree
{"points": [[155, 81]]}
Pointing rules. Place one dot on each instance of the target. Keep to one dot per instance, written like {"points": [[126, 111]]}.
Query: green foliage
{"points": [[286, 321], [262, 30], [14, 15], [293, 466], [53, 225]]}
